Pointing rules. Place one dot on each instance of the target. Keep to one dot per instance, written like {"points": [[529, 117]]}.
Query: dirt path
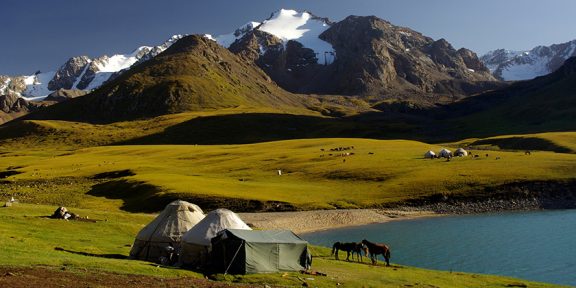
{"points": [[310, 221], [16, 277]]}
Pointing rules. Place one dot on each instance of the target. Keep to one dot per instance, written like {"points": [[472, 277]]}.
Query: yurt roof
{"points": [[176, 218], [214, 222]]}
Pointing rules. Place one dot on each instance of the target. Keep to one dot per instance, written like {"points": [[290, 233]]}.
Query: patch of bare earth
{"points": [[310, 221], [57, 277]]}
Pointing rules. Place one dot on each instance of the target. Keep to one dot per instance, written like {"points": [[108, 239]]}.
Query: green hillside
{"points": [[193, 74], [545, 104], [94, 254], [245, 177]]}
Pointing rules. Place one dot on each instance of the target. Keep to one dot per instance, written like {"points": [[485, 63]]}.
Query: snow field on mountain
{"points": [[292, 25], [38, 85], [227, 39], [537, 67]]}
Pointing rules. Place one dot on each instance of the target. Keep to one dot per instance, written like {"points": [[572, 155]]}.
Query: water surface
{"points": [[539, 246]]}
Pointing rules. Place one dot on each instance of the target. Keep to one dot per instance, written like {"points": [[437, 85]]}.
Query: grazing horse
{"points": [[378, 248], [350, 248], [358, 249]]}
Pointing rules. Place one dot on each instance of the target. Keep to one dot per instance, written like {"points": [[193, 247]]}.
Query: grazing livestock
{"points": [[351, 248], [376, 249]]}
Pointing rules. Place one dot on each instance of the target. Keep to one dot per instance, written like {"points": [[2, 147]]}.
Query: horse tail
{"points": [[388, 253]]}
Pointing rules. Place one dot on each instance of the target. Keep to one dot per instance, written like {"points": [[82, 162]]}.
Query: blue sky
{"points": [[42, 34]]}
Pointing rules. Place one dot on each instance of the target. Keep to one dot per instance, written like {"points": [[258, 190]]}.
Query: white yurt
{"points": [[196, 243], [445, 153], [429, 155], [460, 152], [165, 230]]}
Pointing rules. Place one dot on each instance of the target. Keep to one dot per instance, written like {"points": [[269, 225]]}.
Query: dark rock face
{"points": [[378, 58], [194, 74], [472, 61], [373, 58], [12, 85], [68, 73], [88, 75], [12, 103], [61, 95]]}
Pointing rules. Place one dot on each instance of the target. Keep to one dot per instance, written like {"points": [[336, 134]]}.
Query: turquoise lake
{"points": [[539, 245]]}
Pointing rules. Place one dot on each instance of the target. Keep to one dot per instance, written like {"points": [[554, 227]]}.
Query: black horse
{"points": [[350, 248], [376, 249]]}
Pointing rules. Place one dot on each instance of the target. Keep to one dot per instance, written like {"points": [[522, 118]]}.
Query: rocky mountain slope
{"points": [[365, 56], [523, 65], [193, 74], [544, 104], [305, 53], [78, 73]]}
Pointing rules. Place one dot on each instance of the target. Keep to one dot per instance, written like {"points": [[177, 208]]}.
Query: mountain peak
{"points": [[524, 65]]}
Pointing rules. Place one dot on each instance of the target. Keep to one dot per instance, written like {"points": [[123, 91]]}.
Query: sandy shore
{"points": [[310, 221]]}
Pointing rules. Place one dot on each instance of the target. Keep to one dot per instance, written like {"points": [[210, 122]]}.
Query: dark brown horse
{"points": [[376, 249], [350, 248]]}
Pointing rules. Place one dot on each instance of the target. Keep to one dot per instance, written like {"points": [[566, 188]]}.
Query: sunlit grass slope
{"points": [[375, 172], [29, 239]]}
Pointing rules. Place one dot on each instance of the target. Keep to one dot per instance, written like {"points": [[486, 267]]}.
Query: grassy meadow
{"points": [[105, 172], [29, 239], [375, 172]]}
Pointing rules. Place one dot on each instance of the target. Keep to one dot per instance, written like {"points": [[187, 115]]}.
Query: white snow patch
{"points": [[99, 79], [227, 39], [529, 70], [116, 63], [81, 75], [35, 98], [37, 85], [471, 70], [300, 26]]}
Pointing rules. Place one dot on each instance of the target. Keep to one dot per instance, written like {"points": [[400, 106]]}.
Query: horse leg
{"points": [[348, 256], [336, 254]]}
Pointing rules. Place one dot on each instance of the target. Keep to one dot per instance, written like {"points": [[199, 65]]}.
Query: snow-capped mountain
{"points": [[288, 25], [522, 65], [81, 73], [360, 55]]}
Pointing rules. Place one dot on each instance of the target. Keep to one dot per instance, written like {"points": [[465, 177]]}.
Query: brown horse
{"points": [[376, 249], [350, 248]]}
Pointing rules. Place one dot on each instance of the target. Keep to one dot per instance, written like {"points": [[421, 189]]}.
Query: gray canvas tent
{"points": [[196, 243], [247, 252], [165, 230]]}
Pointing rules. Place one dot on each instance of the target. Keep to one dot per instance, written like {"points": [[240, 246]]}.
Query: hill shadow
{"points": [[111, 256], [142, 197], [263, 127]]}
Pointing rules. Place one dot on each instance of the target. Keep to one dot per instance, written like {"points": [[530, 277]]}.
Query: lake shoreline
{"points": [[302, 222]]}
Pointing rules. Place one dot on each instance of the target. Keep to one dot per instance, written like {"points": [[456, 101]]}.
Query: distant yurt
{"points": [[196, 243], [165, 230], [429, 155], [460, 152], [445, 153]]}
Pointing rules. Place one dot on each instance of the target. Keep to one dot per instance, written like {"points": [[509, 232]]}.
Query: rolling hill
{"points": [[193, 74]]}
